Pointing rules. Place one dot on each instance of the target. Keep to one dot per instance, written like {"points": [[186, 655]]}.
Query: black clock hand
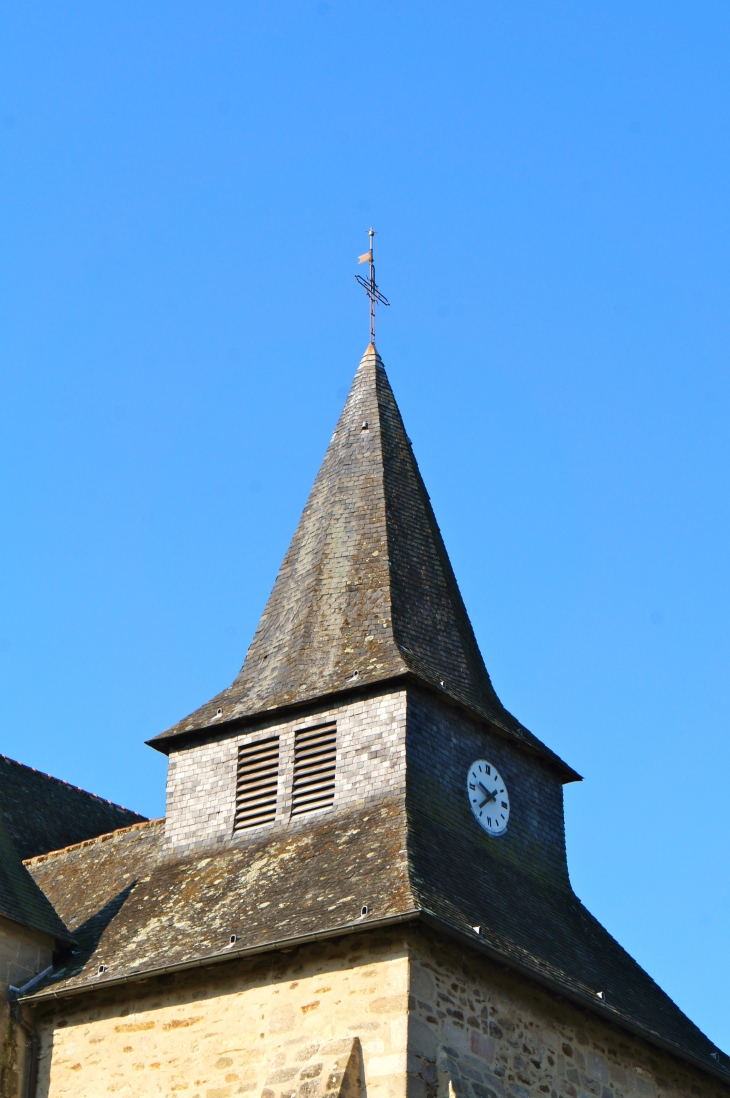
{"points": [[488, 796]]}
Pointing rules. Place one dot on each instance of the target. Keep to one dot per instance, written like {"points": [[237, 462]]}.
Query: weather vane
{"points": [[370, 286]]}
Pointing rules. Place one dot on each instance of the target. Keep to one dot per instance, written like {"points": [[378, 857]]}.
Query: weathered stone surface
{"points": [[495, 1035], [307, 1025], [136, 902], [343, 1019], [24, 953], [399, 844]]}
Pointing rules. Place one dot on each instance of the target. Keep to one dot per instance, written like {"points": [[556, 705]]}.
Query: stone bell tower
{"points": [[360, 886]]}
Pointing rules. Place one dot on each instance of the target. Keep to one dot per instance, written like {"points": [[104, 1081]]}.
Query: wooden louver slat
{"points": [[315, 751], [257, 780]]}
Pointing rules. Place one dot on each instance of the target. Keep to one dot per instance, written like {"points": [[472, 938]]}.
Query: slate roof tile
{"points": [[541, 928], [20, 897], [132, 908], [366, 591], [366, 587], [135, 910], [44, 813]]}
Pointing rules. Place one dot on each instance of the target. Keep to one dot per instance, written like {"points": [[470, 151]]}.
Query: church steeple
{"points": [[366, 592], [360, 803]]}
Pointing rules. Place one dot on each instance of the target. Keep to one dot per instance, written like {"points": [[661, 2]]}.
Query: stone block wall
{"points": [[201, 784], [381, 1014], [477, 1030], [23, 954], [329, 1019]]}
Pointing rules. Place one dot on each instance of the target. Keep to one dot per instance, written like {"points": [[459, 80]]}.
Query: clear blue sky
{"points": [[184, 190]]}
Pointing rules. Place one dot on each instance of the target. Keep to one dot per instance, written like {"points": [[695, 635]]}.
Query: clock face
{"points": [[488, 797]]}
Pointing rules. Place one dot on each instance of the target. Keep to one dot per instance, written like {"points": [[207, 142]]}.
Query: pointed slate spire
{"points": [[366, 592]]}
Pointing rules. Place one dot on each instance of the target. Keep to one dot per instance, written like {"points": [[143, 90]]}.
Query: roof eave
{"points": [[539, 750], [169, 741], [59, 934], [585, 999], [602, 1010]]}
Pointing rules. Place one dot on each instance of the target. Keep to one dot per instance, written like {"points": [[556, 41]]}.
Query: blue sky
{"points": [[185, 188]]}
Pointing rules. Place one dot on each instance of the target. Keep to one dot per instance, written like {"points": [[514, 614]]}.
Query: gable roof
{"points": [[366, 592], [20, 897], [44, 813]]}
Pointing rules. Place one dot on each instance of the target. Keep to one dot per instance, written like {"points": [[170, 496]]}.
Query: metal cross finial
{"points": [[370, 286]]}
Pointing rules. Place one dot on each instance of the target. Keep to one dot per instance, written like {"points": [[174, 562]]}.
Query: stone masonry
{"points": [[384, 946], [398, 1014], [477, 1030], [313, 1023], [24, 953]]}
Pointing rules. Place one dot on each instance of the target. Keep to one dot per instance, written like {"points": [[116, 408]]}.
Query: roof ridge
{"points": [[38, 858], [69, 785]]}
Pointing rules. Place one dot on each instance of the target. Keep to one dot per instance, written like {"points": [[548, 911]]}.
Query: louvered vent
{"points": [[256, 786], [314, 769]]}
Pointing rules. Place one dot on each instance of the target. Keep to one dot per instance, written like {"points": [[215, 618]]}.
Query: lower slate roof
{"points": [[44, 813], [135, 910], [132, 909], [20, 897]]}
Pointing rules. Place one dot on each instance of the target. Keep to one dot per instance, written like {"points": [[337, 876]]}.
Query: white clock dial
{"points": [[488, 797]]}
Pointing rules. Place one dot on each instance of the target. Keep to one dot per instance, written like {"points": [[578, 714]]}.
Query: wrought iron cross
{"points": [[370, 286]]}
